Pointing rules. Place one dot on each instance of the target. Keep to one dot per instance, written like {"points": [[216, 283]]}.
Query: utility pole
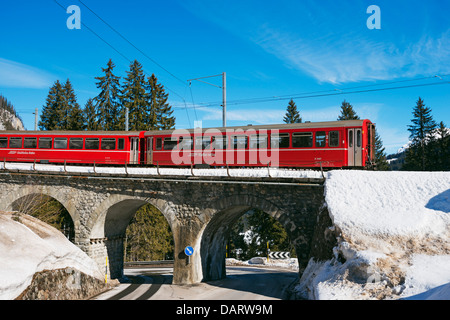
{"points": [[126, 119], [35, 119], [224, 99], [224, 92]]}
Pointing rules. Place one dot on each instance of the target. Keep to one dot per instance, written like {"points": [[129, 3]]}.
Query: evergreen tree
{"points": [[61, 110], [72, 115], [148, 236], [441, 148], [292, 114], [418, 156], [50, 116], [380, 156], [159, 112], [135, 98], [109, 111], [90, 116], [347, 112]]}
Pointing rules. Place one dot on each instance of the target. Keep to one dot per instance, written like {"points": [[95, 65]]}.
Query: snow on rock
{"points": [[27, 246], [394, 237]]}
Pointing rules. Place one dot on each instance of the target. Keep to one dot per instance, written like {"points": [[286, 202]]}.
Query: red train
{"points": [[335, 144]]}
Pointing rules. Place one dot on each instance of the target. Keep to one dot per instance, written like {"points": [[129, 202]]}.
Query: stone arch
{"points": [[108, 224], [214, 236], [28, 190]]}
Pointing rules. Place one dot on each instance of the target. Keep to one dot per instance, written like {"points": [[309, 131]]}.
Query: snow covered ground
{"points": [[394, 238], [393, 227]]}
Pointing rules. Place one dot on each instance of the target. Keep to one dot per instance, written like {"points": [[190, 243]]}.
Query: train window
{"points": [[258, 141], [239, 142], [219, 142], [350, 138], [279, 141], [358, 138], [202, 143], [170, 144], [108, 144], [92, 143], [320, 139], [4, 142], [302, 139], [61, 143], [15, 142], [334, 139], [158, 144], [185, 143], [30, 143], [45, 143], [121, 144], [74, 143]]}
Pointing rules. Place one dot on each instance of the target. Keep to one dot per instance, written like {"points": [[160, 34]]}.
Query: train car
{"points": [[72, 147], [334, 144]]}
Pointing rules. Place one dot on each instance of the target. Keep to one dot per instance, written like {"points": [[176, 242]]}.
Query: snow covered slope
{"points": [[27, 246], [394, 236]]}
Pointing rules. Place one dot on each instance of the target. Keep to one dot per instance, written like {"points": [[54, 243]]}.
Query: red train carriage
{"points": [[333, 144], [71, 147]]}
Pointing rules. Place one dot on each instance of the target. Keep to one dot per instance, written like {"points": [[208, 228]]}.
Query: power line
{"points": [[116, 50], [323, 93], [130, 43]]}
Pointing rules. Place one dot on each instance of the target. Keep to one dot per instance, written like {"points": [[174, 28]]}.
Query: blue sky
{"points": [[317, 52]]}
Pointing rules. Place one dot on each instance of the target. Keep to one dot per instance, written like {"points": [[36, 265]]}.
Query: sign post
{"points": [[188, 251]]}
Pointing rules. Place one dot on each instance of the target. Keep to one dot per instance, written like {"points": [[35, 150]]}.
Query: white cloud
{"points": [[353, 59], [18, 75]]}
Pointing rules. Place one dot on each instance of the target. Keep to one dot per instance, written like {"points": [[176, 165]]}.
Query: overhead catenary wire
{"points": [[325, 93], [131, 44], [119, 52]]}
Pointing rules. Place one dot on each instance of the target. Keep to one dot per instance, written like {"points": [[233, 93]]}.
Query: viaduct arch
{"points": [[199, 210]]}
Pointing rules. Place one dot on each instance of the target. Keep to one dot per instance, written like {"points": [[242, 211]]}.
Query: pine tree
{"points": [[135, 98], [418, 156], [73, 118], [292, 114], [90, 115], [347, 112], [159, 112], [51, 115], [109, 111], [380, 156], [441, 148], [148, 236]]}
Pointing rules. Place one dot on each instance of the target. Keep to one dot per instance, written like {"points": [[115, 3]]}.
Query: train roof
{"points": [[284, 126]]}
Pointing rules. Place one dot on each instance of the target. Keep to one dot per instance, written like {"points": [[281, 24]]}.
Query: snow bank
{"points": [[27, 246], [394, 237]]}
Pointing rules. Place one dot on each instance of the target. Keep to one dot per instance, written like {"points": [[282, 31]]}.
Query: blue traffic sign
{"points": [[189, 251]]}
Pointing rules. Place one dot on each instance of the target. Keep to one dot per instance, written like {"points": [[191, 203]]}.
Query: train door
{"points": [[354, 147], [150, 150], [134, 150]]}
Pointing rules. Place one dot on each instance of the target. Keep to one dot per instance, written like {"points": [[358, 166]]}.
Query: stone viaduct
{"points": [[199, 210]]}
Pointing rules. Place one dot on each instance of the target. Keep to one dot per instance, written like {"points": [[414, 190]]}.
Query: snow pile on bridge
{"points": [[393, 233], [165, 171], [28, 246]]}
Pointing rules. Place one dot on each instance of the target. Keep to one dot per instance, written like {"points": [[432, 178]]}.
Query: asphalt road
{"points": [[241, 283]]}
